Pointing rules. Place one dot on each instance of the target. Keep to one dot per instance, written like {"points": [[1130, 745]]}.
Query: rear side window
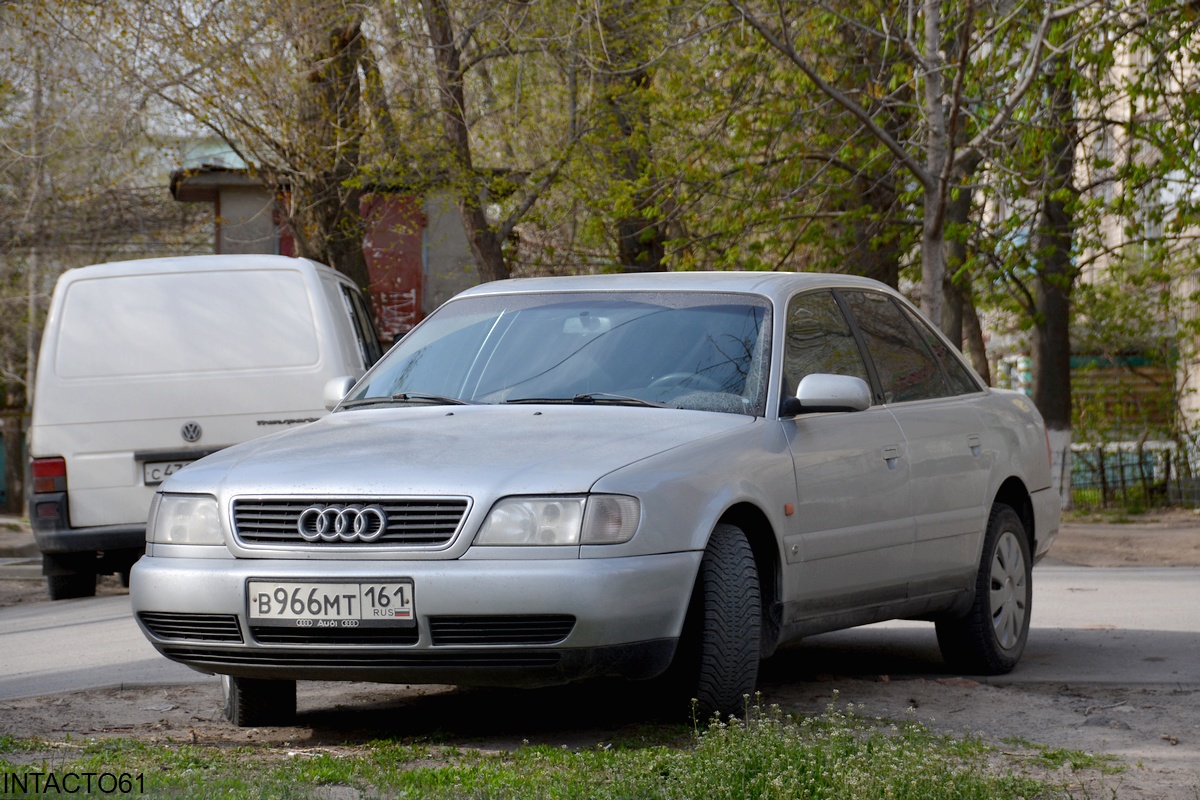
{"points": [[961, 381], [186, 323], [906, 368]]}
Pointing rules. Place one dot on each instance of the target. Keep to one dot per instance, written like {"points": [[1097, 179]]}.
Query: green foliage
{"points": [[601, 133]]}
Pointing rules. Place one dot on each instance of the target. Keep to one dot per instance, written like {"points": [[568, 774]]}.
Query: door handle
{"points": [[891, 454], [975, 444]]}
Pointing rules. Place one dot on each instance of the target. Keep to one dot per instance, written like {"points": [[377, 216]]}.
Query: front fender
{"points": [[685, 491]]}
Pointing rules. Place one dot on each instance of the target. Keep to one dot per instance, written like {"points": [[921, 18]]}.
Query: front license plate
{"points": [[306, 604], [155, 472]]}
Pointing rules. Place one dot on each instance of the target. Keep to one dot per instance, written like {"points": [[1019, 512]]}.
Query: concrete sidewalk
{"points": [[19, 556], [16, 539]]}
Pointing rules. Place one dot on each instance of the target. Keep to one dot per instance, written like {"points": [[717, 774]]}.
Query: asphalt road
{"points": [[1127, 626]]}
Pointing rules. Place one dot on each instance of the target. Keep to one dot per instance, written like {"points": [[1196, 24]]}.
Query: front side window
{"points": [[907, 370], [818, 340], [684, 350]]}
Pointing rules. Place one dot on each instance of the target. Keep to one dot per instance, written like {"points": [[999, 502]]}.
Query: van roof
{"points": [[216, 263]]}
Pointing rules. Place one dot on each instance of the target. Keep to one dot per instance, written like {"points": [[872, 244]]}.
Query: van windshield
{"points": [[704, 351]]}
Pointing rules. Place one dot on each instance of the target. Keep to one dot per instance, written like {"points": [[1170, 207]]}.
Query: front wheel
{"points": [[716, 660], [254, 702], [990, 638]]}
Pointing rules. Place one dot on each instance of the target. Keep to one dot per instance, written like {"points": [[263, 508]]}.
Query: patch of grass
{"points": [[11, 744], [1116, 514], [1059, 757], [768, 754]]}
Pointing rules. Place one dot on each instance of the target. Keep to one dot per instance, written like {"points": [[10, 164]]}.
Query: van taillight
{"points": [[49, 475]]}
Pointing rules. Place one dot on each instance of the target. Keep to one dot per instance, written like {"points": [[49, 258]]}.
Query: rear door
{"points": [[932, 396]]}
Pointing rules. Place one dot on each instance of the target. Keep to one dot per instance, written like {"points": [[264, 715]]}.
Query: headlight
{"points": [[184, 519], [598, 519]]}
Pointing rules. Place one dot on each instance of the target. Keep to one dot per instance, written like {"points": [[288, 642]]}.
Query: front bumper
{"points": [[615, 617]]}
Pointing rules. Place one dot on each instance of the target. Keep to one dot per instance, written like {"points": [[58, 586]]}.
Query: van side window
{"points": [[364, 328]]}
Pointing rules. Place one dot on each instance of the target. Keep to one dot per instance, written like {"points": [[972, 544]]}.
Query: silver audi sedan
{"points": [[656, 477]]}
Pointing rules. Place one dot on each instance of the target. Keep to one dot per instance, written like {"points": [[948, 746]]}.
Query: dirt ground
{"points": [[1152, 732]]}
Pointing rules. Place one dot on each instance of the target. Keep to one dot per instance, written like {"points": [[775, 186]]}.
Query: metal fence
{"points": [[1134, 474]]}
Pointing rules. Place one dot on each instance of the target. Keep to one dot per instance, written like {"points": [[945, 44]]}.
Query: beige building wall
{"points": [[247, 221], [449, 266]]}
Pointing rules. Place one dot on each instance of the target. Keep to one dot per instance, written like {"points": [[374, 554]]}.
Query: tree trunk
{"points": [[937, 151], [960, 320], [14, 460], [975, 347], [468, 188], [640, 236], [952, 310], [324, 212], [1056, 277], [956, 289], [933, 265]]}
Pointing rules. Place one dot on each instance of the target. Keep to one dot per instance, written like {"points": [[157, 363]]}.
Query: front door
{"points": [[850, 547]]}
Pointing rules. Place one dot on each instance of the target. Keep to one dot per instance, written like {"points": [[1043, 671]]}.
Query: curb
{"points": [[20, 569]]}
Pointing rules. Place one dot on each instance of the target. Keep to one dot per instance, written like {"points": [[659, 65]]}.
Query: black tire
{"points": [[716, 661], [71, 585], [255, 702], [990, 638]]}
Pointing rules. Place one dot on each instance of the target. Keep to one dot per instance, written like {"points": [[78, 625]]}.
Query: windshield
{"points": [[702, 351]]}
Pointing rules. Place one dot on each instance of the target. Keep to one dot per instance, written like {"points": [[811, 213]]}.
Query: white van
{"points": [[148, 365]]}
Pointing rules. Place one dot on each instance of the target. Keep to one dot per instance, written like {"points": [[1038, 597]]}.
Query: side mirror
{"points": [[822, 392], [336, 390]]}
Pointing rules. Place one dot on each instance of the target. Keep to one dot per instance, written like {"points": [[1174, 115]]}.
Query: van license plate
{"points": [[155, 472], [305, 604]]}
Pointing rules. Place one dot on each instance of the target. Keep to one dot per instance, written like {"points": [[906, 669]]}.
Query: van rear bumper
{"points": [[51, 523], [81, 540], [54, 535]]}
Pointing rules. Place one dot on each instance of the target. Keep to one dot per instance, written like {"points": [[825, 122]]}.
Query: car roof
{"points": [[769, 284]]}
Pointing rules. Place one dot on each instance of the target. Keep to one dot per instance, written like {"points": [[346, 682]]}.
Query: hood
{"points": [[451, 450]]}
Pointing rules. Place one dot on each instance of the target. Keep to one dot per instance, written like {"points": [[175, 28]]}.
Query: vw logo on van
{"points": [[191, 432], [344, 523]]}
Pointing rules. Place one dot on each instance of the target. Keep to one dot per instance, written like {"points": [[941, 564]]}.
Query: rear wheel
{"points": [[254, 702], [717, 657], [990, 638], [71, 585]]}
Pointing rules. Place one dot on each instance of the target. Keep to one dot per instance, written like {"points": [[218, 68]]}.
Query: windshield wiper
{"points": [[590, 398], [407, 397], [435, 399]]}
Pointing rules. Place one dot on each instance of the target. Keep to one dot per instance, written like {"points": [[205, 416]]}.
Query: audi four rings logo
{"points": [[342, 523]]}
